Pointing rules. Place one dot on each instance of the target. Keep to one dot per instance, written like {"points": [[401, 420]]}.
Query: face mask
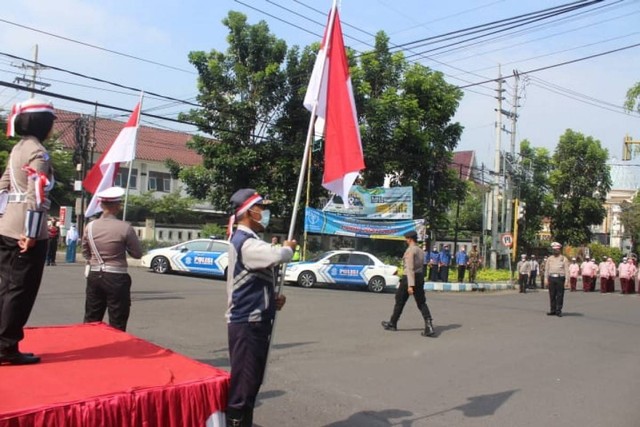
{"points": [[264, 218]]}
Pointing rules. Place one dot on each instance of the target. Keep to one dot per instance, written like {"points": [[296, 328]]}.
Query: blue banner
{"points": [[317, 221]]}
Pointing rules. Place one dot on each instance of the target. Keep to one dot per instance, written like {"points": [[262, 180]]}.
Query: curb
{"points": [[466, 287]]}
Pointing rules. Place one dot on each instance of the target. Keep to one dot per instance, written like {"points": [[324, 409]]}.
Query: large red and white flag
{"points": [[330, 88], [103, 174]]}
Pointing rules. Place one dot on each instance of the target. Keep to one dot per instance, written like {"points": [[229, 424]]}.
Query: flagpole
{"points": [[303, 165], [135, 143]]}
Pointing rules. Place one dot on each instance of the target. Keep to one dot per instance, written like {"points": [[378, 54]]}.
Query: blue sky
{"points": [[166, 31]]}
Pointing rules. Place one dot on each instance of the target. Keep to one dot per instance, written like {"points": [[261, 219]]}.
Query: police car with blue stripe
{"points": [[200, 256], [344, 267]]}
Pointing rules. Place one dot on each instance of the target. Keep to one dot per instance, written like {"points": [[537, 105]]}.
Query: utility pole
{"points": [[34, 68], [455, 234], [496, 177], [514, 118]]}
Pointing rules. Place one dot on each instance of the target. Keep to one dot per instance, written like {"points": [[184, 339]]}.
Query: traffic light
{"points": [[521, 208]]}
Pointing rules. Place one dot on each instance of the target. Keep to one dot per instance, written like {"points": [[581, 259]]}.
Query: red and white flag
{"points": [[103, 174], [330, 88]]}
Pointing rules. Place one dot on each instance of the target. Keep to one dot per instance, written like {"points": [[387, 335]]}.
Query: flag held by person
{"points": [[103, 174], [331, 93]]}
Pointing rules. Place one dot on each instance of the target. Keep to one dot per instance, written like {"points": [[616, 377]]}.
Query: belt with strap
{"points": [[17, 198], [109, 269], [556, 275]]}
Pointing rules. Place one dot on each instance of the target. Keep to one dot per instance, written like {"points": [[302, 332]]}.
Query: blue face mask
{"points": [[264, 218]]}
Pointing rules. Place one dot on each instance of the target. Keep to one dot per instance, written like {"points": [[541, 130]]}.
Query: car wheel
{"points": [[307, 279], [160, 265], [377, 284]]}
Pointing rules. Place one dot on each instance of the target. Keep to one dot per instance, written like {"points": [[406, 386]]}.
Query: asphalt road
{"points": [[498, 360]]}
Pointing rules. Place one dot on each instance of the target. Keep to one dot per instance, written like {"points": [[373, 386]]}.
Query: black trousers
{"points": [[52, 250], [248, 347], [434, 273], [532, 279], [556, 294], [523, 279], [402, 295], [444, 273], [20, 277], [461, 270], [110, 291]]}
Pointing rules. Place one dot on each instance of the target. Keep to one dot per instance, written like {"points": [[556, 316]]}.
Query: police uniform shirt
{"points": [[28, 152], [556, 265], [113, 239], [412, 260]]}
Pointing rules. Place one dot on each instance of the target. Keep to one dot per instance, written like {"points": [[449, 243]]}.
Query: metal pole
{"points": [[496, 184], [455, 233]]}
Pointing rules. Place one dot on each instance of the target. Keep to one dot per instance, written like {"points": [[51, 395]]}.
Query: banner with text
{"points": [[316, 221], [375, 203]]}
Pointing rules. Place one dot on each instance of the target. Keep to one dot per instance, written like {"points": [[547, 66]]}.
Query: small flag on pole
{"points": [[330, 90], [103, 174]]}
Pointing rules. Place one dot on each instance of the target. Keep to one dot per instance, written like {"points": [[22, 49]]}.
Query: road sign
{"points": [[507, 239]]}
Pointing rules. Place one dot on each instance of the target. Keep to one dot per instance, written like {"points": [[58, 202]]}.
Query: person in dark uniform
{"points": [[105, 245], [252, 301], [24, 187], [445, 261], [411, 283], [462, 259], [434, 264], [556, 277]]}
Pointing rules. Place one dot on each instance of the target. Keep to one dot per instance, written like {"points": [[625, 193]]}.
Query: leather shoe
{"points": [[388, 326], [18, 359], [559, 314], [551, 313]]}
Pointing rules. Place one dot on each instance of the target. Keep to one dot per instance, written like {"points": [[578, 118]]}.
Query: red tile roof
{"points": [[466, 159], [153, 144]]}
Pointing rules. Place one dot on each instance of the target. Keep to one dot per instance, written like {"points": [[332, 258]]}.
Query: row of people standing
{"points": [[607, 270], [438, 262]]}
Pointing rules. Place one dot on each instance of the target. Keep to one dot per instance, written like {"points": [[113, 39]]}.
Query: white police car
{"points": [[344, 267], [200, 256]]}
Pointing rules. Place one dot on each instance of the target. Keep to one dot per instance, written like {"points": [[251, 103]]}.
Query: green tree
{"points": [[252, 96], [633, 98], [407, 131], [630, 218], [242, 93], [532, 189], [171, 208], [579, 182], [471, 208]]}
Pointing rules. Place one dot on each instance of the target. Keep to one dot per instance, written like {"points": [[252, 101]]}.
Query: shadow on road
{"points": [[375, 419], [268, 395], [291, 344], [478, 406]]}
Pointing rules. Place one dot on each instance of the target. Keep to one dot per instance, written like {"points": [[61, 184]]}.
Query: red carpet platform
{"points": [[93, 375]]}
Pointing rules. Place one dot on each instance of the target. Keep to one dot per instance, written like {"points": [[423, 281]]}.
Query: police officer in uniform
{"points": [[252, 301], [24, 187], [105, 245], [411, 283], [556, 277]]}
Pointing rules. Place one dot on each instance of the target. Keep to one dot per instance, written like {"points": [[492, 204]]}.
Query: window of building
{"points": [[179, 235], [171, 235], [189, 235], [159, 181], [160, 235], [121, 178]]}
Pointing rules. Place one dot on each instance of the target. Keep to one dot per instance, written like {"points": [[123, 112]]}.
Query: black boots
{"points": [[239, 417], [389, 326], [428, 329]]}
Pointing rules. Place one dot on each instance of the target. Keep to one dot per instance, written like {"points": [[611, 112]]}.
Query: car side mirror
{"points": [[325, 261], [183, 249]]}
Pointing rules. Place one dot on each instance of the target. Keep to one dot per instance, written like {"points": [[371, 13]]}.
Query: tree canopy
{"points": [[252, 107], [633, 98], [579, 181]]}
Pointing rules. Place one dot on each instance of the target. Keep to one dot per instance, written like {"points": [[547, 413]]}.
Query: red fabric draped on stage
{"points": [[93, 375]]}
